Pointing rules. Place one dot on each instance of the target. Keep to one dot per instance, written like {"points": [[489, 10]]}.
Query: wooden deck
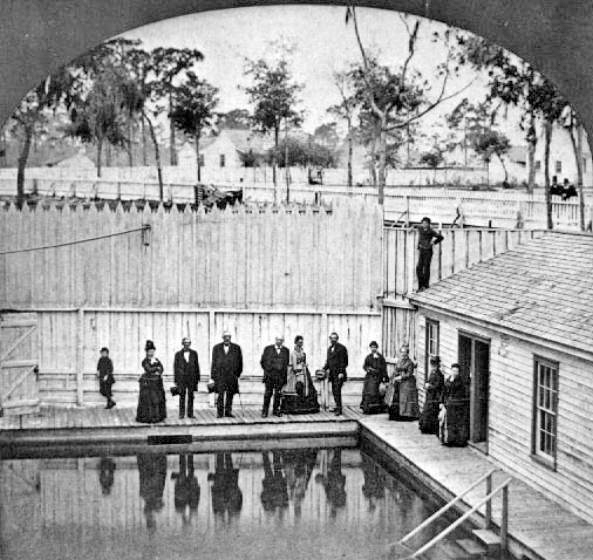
{"points": [[91, 427], [538, 527]]}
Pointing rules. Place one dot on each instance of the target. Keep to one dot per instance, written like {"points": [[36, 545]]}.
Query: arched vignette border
{"points": [[37, 36]]}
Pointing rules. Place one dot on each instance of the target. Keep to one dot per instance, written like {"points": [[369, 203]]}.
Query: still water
{"points": [[283, 504]]}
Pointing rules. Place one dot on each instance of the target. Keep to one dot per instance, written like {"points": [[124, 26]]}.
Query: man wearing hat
{"points": [[335, 367], [274, 362], [186, 371], [427, 237], [227, 366]]}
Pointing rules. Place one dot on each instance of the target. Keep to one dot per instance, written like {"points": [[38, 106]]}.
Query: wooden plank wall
{"points": [[511, 405], [244, 257], [460, 249]]}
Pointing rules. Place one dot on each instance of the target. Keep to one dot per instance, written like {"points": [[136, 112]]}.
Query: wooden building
{"points": [[521, 326]]}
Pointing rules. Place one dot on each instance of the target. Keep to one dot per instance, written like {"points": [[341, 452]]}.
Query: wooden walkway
{"points": [[538, 527], [55, 427]]}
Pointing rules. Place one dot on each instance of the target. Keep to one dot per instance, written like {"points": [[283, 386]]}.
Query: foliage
{"points": [[326, 135], [432, 158], [303, 152], [235, 118]]}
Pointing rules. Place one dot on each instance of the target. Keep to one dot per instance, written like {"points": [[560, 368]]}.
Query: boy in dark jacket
{"points": [[427, 237], [105, 374]]}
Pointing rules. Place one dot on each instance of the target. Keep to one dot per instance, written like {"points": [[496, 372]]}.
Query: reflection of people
{"points": [[151, 400], [374, 482], [274, 362], [186, 369], [402, 398], [335, 366], [105, 374], [334, 482], [227, 366], [152, 469], [376, 373], [429, 419], [225, 491], [298, 465], [299, 395], [106, 469], [453, 415], [187, 488], [274, 494]]}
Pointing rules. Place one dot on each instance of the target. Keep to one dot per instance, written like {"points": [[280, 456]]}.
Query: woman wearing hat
{"points": [[376, 373], [429, 419], [151, 400], [402, 399]]}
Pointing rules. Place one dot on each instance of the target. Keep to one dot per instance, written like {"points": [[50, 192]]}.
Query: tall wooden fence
{"points": [[255, 271]]}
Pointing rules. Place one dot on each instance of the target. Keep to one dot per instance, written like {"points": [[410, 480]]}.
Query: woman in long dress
{"points": [[453, 425], [429, 419], [376, 373], [402, 399], [151, 400], [299, 395]]}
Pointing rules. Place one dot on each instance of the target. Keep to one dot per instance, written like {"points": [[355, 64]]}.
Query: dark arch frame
{"points": [[37, 36]]}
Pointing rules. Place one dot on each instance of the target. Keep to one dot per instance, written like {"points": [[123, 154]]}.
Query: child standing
{"points": [[106, 379]]}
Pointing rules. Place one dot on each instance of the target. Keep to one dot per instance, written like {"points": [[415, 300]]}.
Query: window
{"points": [[432, 343], [222, 160], [545, 413], [201, 159], [538, 165], [558, 166]]}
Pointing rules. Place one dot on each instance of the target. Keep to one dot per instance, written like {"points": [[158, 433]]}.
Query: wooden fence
{"points": [[238, 258]]}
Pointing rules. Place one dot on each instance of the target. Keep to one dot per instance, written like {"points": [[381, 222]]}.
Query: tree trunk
{"points": [[274, 155], [350, 152], [157, 155], [382, 165], [172, 150], [130, 143], [199, 167], [531, 144], [286, 175], [99, 155], [143, 132], [22, 163], [577, 148], [548, 128], [504, 168]]}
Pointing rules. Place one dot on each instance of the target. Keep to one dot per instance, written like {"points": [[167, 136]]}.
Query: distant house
{"points": [[521, 326], [75, 159]]}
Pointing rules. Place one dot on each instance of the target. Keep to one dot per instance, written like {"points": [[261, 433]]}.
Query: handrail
{"points": [[456, 524], [446, 507]]}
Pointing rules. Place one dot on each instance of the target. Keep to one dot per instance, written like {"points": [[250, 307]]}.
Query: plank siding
{"points": [[511, 405]]}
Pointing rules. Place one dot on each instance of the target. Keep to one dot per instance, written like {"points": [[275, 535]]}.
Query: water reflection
{"points": [[335, 503]]}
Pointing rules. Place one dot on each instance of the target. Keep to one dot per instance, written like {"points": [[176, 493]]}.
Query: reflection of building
{"points": [[520, 325]]}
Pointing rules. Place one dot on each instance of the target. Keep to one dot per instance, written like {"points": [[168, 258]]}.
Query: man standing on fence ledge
{"points": [[186, 369], [274, 362], [227, 366], [427, 237], [335, 366]]}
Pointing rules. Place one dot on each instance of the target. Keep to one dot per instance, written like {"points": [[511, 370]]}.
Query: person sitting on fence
{"points": [[427, 238], [555, 188], [105, 374], [568, 190]]}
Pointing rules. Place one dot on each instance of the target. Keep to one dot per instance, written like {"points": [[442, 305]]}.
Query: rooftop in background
{"points": [[543, 289]]}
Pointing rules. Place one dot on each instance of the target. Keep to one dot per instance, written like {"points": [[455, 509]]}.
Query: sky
{"points": [[323, 45]]}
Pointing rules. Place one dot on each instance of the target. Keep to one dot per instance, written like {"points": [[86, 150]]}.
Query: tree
{"points": [[432, 159], [346, 110], [193, 110], [101, 116], [326, 134], [273, 94], [303, 152], [31, 115], [574, 128], [393, 99], [235, 118], [167, 63]]}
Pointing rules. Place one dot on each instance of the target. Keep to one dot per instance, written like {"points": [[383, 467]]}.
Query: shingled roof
{"points": [[542, 288]]}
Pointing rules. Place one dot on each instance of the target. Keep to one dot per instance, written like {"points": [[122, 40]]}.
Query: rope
{"points": [[76, 242]]}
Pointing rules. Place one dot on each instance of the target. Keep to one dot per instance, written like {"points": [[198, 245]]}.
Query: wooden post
{"points": [[80, 358], [488, 514], [504, 524]]}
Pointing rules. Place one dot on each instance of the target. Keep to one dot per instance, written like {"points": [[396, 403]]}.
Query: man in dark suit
{"points": [[274, 362], [186, 369], [335, 366], [227, 366]]}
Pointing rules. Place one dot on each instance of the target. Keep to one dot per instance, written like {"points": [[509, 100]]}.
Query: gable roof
{"points": [[542, 288]]}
